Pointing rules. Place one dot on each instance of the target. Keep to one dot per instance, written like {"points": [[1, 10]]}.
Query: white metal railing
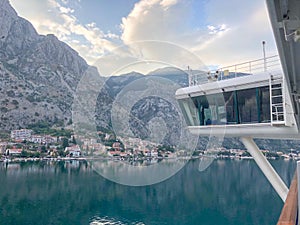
{"points": [[242, 69], [277, 101]]}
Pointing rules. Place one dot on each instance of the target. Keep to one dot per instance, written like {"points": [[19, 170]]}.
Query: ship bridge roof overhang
{"points": [[285, 20]]}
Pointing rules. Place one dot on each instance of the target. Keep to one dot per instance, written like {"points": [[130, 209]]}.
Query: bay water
{"points": [[228, 192]]}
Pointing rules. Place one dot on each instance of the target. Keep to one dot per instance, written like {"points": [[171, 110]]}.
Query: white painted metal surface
{"points": [[276, 129], [285, 19]]}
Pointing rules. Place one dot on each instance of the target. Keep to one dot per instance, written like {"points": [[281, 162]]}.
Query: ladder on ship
{"points": [[277, 101]]}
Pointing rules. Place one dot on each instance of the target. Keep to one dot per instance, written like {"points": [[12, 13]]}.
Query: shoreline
{"points": [[86, 159]]}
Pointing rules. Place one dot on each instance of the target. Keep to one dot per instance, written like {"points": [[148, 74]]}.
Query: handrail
{"points": [[252, 61], [233, 71], [288, 214]]}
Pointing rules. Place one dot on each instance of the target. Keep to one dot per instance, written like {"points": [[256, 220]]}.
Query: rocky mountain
{"points": [[38, 74], [145, 109]]}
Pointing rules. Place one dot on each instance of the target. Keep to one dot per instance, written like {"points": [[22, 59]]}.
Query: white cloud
{"points": [[168, 3], [225, 36], [155, 20], [51, 17], [210, 27], [66, 10], [242, 42], [217, 30], [146, 56], [168, 21], [230, 36]]}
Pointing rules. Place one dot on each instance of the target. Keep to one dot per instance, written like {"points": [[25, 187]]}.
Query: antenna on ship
{"points": [[190, 76], [264, 54]]}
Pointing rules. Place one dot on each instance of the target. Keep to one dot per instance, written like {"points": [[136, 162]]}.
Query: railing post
{"points": [[189, 76], [235, 71], [221, 71], [258, 65], [249, 67]]}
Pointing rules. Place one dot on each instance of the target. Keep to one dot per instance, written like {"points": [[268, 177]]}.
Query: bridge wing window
{"points": [[247, 106], [210, 109], [264, 105], [190, 111], [217, 108], [233, 107]]}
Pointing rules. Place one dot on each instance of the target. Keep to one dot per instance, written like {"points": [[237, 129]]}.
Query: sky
{"points": [[119, 36]]}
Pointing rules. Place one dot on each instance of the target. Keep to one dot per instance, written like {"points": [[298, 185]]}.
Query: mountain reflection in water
{"points": [[227, 192]]}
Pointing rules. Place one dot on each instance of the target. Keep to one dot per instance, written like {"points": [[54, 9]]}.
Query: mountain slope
{"points": [[38, 74]]}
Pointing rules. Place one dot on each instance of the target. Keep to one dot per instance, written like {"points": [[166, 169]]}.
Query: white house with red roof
{"points": [[73, 150]]}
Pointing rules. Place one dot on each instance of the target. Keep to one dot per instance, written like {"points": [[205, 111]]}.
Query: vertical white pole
{"points": [[266, 168], [264, 54], [189, 76]]}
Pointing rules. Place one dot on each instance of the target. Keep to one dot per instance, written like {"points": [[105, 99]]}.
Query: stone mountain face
{"points": [[145, 109], [17, 34], [38, 74], [23, 47]]}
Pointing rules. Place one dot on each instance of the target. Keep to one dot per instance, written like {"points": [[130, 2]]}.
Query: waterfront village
{"points": [[61, 144]]}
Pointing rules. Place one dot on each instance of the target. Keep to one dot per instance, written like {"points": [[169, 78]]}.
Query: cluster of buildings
{"points": [[137, 148], [27, 135], [26, 140], [107, 146], [242, 154], [91, 145], [122, 148], [137, 144]]}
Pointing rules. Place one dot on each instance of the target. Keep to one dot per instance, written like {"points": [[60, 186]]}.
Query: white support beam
{"points": [[266, 167]]}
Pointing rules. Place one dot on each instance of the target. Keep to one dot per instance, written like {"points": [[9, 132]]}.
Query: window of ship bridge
{"points": [[232, 107]]}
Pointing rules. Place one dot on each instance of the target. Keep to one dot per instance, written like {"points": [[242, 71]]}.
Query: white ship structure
{"points": [[257, 99]]}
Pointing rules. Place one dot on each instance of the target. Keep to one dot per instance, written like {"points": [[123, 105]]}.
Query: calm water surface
{"points": [[228, 192]]}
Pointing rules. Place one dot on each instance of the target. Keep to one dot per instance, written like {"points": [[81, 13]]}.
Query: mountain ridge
{"points": [[38, 73]]}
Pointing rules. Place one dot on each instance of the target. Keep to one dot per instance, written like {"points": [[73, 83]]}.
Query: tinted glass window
{"points": [[231, 114], [190, 111], [264, 105], [235, 107], [247, 106]]}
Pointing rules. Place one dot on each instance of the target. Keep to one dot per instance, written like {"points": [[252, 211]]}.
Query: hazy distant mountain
{"points": [[145, 110], [180, 76]]}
